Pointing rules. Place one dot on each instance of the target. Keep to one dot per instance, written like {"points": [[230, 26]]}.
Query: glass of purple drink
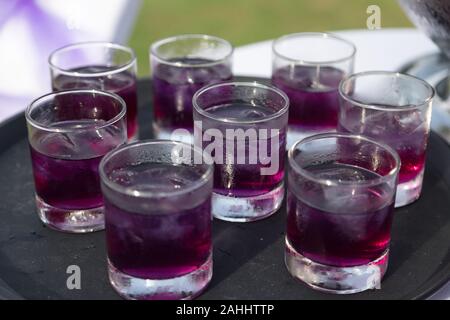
{"points": [[242, 126], [180, 66], [341, 193], [69, 132], [396, 109], [98, 65], [308, 67], [158, 219]]}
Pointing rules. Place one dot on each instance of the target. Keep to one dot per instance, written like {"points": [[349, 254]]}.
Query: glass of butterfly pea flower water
{"points": [[69, 132], [396, 109], [181, 65], [242, 126], [158, 219], [308, 67], [98, 65], [341, 195]]}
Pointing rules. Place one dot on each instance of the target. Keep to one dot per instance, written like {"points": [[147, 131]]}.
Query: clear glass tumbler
{"points": [[242, 126], [158, 219], [396, 109], [98, 65], [181, 65], [308, 68], [341, 193], [69, 132]]}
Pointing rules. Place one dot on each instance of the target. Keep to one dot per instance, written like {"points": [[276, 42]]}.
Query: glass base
{"points": [[247, 209], [185, 287], [73, 221], [167, 134], [295, 135], [337, 280], [408, 192], [134, 138]]}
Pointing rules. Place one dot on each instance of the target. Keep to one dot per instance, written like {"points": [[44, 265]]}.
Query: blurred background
{"points": [[246, 21], [31, 29]]}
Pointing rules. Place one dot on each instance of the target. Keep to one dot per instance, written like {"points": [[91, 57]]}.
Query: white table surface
{"points": [[386, 49]]}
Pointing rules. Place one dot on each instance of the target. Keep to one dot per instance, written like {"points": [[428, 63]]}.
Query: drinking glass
{"points": [[308, 68], [69, 132], [98, 65], [242, 126], [158, 219], [181, 65], [396, 109], [341, 192]]}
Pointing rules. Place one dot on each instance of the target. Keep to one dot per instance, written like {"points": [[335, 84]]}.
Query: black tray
{"points": [[248, 258]]}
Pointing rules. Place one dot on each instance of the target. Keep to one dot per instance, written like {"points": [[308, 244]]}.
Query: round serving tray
{"points": [[248, 258]]}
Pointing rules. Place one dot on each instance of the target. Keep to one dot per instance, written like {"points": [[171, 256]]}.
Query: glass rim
{"points": [[89, 44], [47, 96], [253, 84], [323, 35], [155, 45], [354, 102], [132, 192], [328, 182]]}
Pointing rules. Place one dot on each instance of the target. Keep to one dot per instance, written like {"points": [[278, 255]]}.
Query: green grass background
{"points": [[247, 21]]}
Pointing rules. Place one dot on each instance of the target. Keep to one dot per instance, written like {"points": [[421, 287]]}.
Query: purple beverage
{"points": [[122, 84], [69, 132], [335, 233], [98, 65], [340, 210], [158, 220], [242, 125], [66, 167], [308, 67], [313, 95], [182, 65], [245, 180], [395, 109], [174, 87], [158, 246], [408, 137]]}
